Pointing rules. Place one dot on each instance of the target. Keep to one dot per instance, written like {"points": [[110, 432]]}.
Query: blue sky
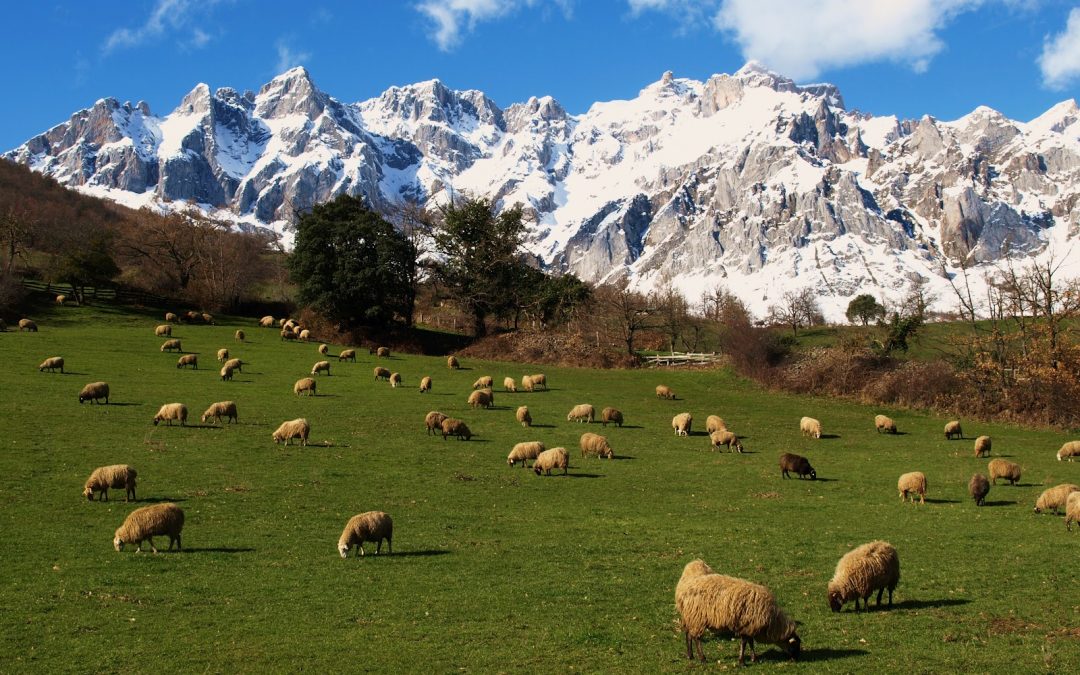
{"points": [[904, 57]]}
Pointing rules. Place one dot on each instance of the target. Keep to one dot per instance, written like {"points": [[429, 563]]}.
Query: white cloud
{"points": [[166, 15], [451, 19], [287, 58], [1060, 59]]}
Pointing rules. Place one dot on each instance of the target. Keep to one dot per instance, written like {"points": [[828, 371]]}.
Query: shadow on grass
{"points": [[927, 604], [124, 405], [621, 457], [541, 426], [819, 479], [204, 426], [412, 554], [583, 475], [72, 372], [999, 503], [829, 436], [219, 549], [629, 426], [160, 500], [815, 655], [942, 501]]}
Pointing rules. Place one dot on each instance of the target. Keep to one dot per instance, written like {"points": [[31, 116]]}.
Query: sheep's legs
{"points": [[700, 651], [689, 645], [879, 592]]}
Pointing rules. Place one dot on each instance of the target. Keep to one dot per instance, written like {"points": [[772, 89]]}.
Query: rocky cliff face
{"points": [[748, 180]]}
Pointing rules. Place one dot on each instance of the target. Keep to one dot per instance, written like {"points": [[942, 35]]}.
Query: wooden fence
{"points": [[682, 359]]}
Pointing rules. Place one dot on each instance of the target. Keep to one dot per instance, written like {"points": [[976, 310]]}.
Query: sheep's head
{"points": [[835, 601], [156, 420], [813, 474], [510, 461], [88, 493], [343, 550], [204, 418], [793, 646], [118, 543], [277, 437], [537, 470]]}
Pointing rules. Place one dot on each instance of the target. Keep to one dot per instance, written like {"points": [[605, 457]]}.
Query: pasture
{"points": [[493, 568]]}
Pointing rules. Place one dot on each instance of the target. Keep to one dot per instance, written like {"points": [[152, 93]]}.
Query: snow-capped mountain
{"points": [[748, 181]]}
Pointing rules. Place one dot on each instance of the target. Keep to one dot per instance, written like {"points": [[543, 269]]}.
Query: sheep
{"points": [[522, 415], [164, 330], [382, 373], [320, 367], [527, 383], [207, 318], [305, 384], [170, 412], [913, 482], [509, 384], [305, 335], [874, 566], [324, 349], [1003, 468], [725, 437], [297, 428], [226, 373], [433, 421], [664, 391], [555, 458], [612, 415], [595, 444], [188, 360], [371, 526], [221, 409], [978, 487], [953, 429], [235, 364], [1072, 510], [112, 476], [287, 334], [810, 427], [347, 355], [286, 323], [1070, 449], [883, 423], [395, 380], [481, 398], [692, 570], [719, 603], [171, 317], [797, 463], [582, 412], [93, 391], [170, 345], [425, 384], [715, 423], [266, 322], [192, 316], [61, 299], [239, 335], [484, 382], [223, 355], [681, 423], [982, 446], [452, 363], [1054, 498], [383, 352], [452, 426], [523, 452], [148, 522], [51, 364], [27, 325], [539, 380]]}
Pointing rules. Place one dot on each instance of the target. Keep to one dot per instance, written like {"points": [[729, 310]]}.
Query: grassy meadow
{"points": [[493, 568]]}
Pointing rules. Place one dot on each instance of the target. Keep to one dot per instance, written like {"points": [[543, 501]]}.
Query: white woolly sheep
{"points": [[171, 411], [226, 409], [612, 416], [347, 355], [982, 446], [223, 355], [1069, 450], [164, 330], [884, 423], [171, 317], [144, 524], [61, 299], [526, 382], [383, 352], [113, 476], [287, 334], [664, 391], [483, 382], [93, 391], [382, 373], [810, 427], [681, 423], [28, 325], [481, 398], [208, 319], [582, 412], [523, 452], [522, 415], [452, 426], [239, 335], [321, 367], [452, 363], [1003, 468], [874, 566], [305, 335], [555, 458], [978, 488], [305, 384], [324, 349], [953, 429], [425, 384], [913, 483], [539, 380], [227, 373], [595, 444], [725, 437], [235, 364], [51, 364], [266, 322], [1072, 510], [170, 345], [297, 428], [509, 384], [433, 421], [1054, 498], [714, 423], [371, 526], [188, 360], [395, 380]]}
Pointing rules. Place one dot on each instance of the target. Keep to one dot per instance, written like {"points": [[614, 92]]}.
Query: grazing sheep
{"points": [[481, 398], [171, 317], [382, 373], [383, 352], [1003, 468], [235, 364], [192, 316], [452, 426], [226, 409], [60, 299], [883, 423], [810, 427], [555, 458], [227, 373], [719, 603], [582, 412], [595, 444], [94, 391], [321, 367], [978, 487], [797, 463], [297, 428], [982, 446], [239, 335], [223, 355], [1070, 449], [148, 522], [681, 423], [287, 323], [305, 384], [953, 429], [27, 325], [664, 391], [164, 330], [207, 319], [287, 334], [523, 452], [170, 412], [913, 483], [452, 363], [1072, 510], [509, 385], [539, 380], [526, 382], [266, 322], [112, 476], [324, 349], [725, 437], [371, 526], [484, 382], [425, 384], [433, 421], [51, 364], [395, 379], [522, 415], [347, 355], [1054, 498], [612, 415], [170, 345], [715, 423], [305, 335], [874, 566], [188, 360]]}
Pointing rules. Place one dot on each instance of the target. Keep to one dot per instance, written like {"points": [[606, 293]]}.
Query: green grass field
{"points": [[494, 569]]}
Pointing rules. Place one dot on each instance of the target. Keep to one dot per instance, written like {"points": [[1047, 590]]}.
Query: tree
{"points": [[628, 311], [796, 309], [864, 309], [90, 266], [352, 266]]}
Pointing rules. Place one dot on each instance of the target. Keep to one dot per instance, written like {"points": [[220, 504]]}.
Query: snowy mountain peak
{"points": [[291, 93], [1058, 118], [197, 101]]}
